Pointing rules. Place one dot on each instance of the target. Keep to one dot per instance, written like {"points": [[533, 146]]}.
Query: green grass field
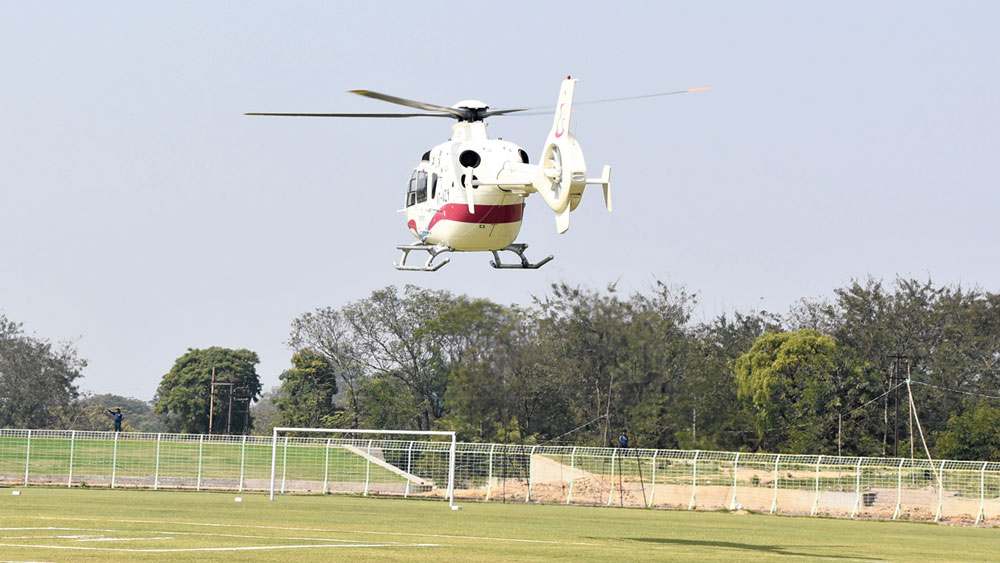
{"points": [[42, 524]]}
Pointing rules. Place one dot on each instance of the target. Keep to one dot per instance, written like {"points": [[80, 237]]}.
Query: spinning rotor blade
{"points": [[548, 110], [355, 114], [493, 112], [640, 97], [410, 103]]}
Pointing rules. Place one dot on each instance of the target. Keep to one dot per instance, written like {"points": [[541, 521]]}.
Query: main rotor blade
{"points": [[640, 97], [493, 112], [546, 110], [355, 114], [409, 103]]}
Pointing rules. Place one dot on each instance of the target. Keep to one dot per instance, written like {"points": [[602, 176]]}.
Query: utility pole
{"points": [[893, 379], [211, 403]]}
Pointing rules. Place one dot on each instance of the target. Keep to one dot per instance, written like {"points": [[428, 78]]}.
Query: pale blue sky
{"points": [[143, 214]]}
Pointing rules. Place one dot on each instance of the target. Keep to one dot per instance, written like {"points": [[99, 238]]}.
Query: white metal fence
{"points": [[773, 483]]}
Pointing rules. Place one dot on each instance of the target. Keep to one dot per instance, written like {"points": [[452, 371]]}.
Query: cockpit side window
{"points": [[421, 186], [411, 192], [434, 185]]}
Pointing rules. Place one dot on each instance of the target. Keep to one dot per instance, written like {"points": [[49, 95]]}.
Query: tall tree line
{"points": [[580, 365]]}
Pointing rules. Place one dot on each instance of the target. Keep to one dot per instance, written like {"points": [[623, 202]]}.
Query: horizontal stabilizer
{"points": [[605, 182]]}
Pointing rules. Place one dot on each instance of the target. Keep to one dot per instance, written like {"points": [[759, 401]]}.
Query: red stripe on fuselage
{"points": [[485, 214]]}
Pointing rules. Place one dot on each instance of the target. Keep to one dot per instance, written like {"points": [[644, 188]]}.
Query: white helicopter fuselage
{"points": [[438, 194], [467, 194]]}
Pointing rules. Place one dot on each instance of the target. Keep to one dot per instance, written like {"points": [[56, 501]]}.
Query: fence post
{"points": [[489, 472], [368, 468], [201, 442], [816, 499], [531, 469], [652, 491], [326, 468], [27, 459], [694, 479], [243, 458], [736, 469], [940, 507], [572, 467], [899, 490], [72, 444], [611, 496], [857, 490], [114, 461], [156, 474], [774, 501]]}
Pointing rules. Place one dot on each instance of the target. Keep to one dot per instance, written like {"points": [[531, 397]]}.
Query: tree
{"points": [[788, 384], [972, 435], [383, 337], [184, 393], [37, 380], [307, 390]]}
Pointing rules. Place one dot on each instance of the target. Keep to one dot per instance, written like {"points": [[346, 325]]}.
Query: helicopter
{"points": [[468, 193]]}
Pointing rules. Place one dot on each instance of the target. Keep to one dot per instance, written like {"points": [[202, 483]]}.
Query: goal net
{"points": [[369, 462]]}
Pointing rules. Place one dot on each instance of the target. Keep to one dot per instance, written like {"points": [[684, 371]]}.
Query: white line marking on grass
{"points": [[43, 537], [172, 532], [329, 542], [326, 530], [239, 548], [247, 536], [125, 539]]}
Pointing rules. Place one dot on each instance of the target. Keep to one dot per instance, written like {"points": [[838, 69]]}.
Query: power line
{"points": [[891, 389], [790, 426], [571, 431], [955, 390]]}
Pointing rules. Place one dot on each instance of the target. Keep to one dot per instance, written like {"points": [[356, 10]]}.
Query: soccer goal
{"points": [[369, 462]]}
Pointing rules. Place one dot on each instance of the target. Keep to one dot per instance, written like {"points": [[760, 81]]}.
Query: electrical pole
{"points": [[894, 379]]}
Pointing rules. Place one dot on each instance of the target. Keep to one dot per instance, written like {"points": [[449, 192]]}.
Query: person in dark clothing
{"points": [[117, 413], [623, 440]]}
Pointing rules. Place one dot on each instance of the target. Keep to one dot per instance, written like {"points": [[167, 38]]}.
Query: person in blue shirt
{"points": [[117, 413], [623, 440]]}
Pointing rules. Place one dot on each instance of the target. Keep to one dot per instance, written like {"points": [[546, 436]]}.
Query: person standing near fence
{"points": [[623, 440], [117, 413]]}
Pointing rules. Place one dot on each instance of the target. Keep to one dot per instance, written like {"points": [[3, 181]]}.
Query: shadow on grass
{"points": [[770, 549]]}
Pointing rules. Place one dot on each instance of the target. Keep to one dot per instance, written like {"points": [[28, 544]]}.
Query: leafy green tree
{"points": [[184, 393], [513, 384], [37, 380], [383, 337], [787, 383], [972, 435], [306, 395]]}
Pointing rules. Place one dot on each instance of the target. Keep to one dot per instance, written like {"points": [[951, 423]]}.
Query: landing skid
{"points": [[517, 248], [431, 250], [434, 250]]}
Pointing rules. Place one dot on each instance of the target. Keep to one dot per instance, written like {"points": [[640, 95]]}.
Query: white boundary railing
{"points": [[849, 487]]}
